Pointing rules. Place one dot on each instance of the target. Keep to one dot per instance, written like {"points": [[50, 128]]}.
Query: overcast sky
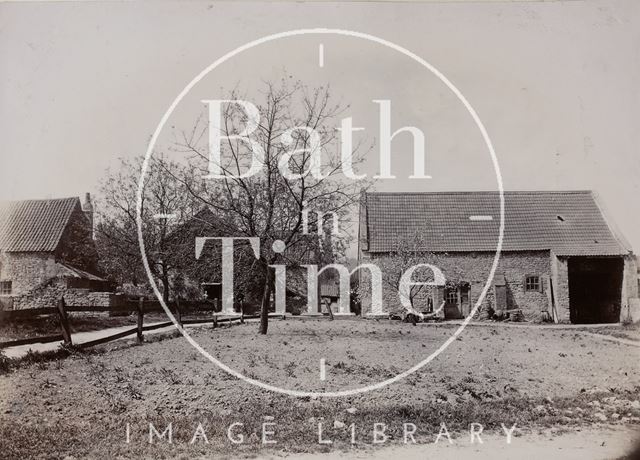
{"points": [[555, 83]]}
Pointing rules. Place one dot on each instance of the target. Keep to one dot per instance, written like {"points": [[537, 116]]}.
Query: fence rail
{"points": [[47, 339], [11, 315], [129, 307], [140, 308]]}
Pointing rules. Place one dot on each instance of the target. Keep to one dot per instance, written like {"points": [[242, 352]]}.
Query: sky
{"points": [[556, 84]]}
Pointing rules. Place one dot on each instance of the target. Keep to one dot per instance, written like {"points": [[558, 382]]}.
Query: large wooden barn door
{"points": [[595, 289], [500, 286]]}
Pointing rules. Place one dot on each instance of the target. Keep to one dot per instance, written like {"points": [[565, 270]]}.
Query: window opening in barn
{"points": [[5, 287], [532, 283]]}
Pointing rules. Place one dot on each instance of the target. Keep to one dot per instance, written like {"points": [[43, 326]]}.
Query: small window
{"points": [[532, 283], [452, 296], [5, 287]]}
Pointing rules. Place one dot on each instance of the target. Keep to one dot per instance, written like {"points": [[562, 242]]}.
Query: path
{"points": [[77, 338], [586, 444], [578, 328]]}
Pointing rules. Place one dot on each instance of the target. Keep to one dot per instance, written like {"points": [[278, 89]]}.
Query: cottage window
{"points": [[452, 296], [532, 283], [5, 287]]}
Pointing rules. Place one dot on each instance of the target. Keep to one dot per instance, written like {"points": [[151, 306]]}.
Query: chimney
{"points": [[87, 208]]}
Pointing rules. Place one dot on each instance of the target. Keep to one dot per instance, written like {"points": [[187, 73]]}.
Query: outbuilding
{"points": [[562, 258], [47, 251]]}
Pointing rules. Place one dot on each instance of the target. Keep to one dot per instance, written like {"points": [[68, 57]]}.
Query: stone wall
{"points": [[474, 268], [84, 297], [561, 288], [630, 277], [26, 270], [49, 295], [36, 283], [630, 303]]}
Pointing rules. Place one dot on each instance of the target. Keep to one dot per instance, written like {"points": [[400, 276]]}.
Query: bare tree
{"points": [[269, 205], [165, 205]]}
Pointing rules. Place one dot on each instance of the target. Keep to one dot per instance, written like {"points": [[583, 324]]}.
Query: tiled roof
{"points": [[570, 223], [73, 272], [34, 225]]}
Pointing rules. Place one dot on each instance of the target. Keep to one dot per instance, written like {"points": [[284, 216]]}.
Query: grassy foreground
{"points": [[83, 404]]}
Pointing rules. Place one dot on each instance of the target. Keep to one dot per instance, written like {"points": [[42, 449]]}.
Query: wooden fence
{"points": [[140, 308]]}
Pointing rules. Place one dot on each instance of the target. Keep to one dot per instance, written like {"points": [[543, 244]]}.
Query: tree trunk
{"points": [[264, 309], [328, 305], [165, 288]]}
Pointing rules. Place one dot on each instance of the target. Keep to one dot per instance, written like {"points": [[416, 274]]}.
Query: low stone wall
{"points": [[50, 295], [84, 297]]}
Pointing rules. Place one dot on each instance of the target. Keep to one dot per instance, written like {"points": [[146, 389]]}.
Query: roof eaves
{"points": [[613, 228]]}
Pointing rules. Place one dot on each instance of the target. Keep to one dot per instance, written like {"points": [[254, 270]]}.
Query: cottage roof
{"points": [[34, 225], [68, 271], [570, 223]]}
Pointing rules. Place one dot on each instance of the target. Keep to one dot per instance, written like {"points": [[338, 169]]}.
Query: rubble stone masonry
{"points": [[474, 269]]}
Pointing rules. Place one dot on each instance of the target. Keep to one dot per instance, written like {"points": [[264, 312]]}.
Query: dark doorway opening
{"points": [[456, 302], [595, 286], [213, 292]]}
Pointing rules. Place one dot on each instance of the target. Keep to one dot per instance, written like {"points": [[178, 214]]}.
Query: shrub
{"points": [[5, 363]]}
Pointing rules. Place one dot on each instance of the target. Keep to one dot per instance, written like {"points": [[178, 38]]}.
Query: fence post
{"points": [[140, 318], [64, 322]]}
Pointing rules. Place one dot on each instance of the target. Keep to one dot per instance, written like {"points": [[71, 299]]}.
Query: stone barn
{"points": [[562, 258], [46, 251]]}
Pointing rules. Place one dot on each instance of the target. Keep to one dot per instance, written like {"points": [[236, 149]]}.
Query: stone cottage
{"points": [[562, 259], [46, 251]]}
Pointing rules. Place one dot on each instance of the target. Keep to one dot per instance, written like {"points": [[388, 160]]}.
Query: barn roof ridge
{"points": [[476, 192]]}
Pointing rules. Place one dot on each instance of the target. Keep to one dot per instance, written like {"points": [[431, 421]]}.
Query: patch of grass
{"points": [[365, 370], [506, 389], [296, 427], [5, 363], [290, 369], [246, 372], [43, 358], [170, 376]]}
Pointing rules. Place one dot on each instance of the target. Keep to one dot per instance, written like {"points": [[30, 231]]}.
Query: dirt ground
{"points": [[541, 379], [587, 444], [630, 332]]}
